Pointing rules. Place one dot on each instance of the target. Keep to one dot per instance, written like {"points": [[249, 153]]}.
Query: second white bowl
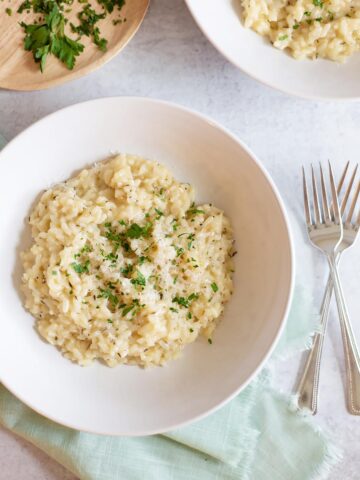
{"points": [[318, 79]]}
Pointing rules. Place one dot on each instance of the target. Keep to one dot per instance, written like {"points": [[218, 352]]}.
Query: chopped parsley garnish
{"points": [[191, 330], [54, 272], [111, 257], [111, 235], [181, 301], [214, 287], [117, 239], [283, 37], [296, 26], [318, 3], [191, 239], [179, 250], [210, 341], [190, 236], [81, 267], [133, 307], [8, 11], [159, 213], [86, 248], [135, 231], [122, 222], [189, 315], [185, 301], [139, 280], [143, 259], [109, 320], [193, 296], [107, 293], [127, 309], [174, 310], [194, 211], [175, 225]]}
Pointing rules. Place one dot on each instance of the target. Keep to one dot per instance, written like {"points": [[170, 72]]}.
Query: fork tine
{"points": [[347, 193], [339, 186], [306, 200], [325, 205], [353, 204], [316, 198], [343, 175], [335, 200]]}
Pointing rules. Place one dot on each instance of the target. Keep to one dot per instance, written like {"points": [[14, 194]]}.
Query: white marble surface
{"points": [[170, 59]]}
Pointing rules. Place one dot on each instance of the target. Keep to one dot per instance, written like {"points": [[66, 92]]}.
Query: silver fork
{"points": [[308, 387], [327, 232]]}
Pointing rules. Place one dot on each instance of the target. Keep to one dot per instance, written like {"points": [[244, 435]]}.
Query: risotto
{"points": [[124, 267], [307, 28]]}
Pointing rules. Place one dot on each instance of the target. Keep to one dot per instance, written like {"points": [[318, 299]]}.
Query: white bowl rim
{"points": [[281, 205], [293, 93]]}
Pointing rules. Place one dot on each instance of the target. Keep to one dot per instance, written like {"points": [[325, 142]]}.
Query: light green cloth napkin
{"points": [[256, 436]]}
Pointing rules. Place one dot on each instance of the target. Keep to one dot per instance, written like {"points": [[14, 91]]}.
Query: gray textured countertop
{"points": [[170, 59]]}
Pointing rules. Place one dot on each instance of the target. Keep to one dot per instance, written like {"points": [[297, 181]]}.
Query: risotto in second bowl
{"points": [[124, 267], [307, 28]]}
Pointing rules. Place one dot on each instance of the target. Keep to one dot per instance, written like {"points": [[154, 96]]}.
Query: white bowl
{"points": [[320, 79], [128, 400]]}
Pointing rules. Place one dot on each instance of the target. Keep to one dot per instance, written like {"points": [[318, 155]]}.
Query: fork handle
{"points": [[352, 358], [308, 388]]}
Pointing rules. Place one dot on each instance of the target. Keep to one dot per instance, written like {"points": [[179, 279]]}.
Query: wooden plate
{"points": [[18, 71]]}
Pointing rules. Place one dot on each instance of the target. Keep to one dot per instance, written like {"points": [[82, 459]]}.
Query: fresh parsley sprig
{"points": [[46, 36], [49, 38]]}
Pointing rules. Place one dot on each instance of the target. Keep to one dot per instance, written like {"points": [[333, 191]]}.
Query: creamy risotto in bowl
{"points": [[78, 229], [307, 28], [124, 266]]}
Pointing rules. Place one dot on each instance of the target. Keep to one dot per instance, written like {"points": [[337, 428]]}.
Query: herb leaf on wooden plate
{"points": [[88, 20], [47, 35], [50, 37]]}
